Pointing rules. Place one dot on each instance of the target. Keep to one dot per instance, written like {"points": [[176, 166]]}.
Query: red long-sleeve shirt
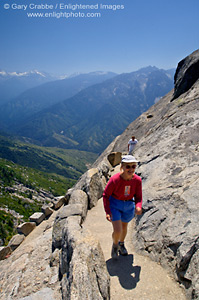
{"points": [[123, 190]]}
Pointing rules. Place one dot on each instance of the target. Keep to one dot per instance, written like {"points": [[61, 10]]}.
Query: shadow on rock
{"points": [[128, 274]]}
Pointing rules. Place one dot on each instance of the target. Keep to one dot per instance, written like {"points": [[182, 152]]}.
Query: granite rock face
{"points": [[29, 272], [92, 183], [82, 265], [115, 158], [37, 217], [63, 214], [80, 197], [168, 151], [5, 251], [186, 74], [26, 228], [82, 268], [15, 241]]}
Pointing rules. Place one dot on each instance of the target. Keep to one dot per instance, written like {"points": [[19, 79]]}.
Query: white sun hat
{"points": [[129, 159]]}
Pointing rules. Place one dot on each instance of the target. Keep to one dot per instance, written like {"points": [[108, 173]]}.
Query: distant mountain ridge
{"points": [[13, 84], [44, 95], [93, 117]]}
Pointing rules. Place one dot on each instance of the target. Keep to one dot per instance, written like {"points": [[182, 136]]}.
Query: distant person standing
{"points": [[131, 144]]}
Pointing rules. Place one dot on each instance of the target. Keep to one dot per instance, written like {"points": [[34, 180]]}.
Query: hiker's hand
{"points": [[108, 217], [138, 211]]}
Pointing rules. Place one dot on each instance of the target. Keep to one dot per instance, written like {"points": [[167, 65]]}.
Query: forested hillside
{"points": [[32, 176]]}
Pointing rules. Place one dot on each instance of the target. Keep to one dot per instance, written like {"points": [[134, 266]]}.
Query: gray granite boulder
{"points": [[47, 210], [58, 202], [71, 233], [60, 220], [95, 187], [80, 197], [37, 217], [115, 158], [26, 228], [92, 183], [16, 240], [104, 169], [83, 268], [5, 252], [54, 258], [187, 74]]}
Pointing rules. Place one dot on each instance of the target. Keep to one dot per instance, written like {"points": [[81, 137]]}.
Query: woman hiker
{"points": [[122, 199]]}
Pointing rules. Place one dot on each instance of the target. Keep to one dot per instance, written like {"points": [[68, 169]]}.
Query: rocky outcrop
{"points": [[114, 158], [37, 217], [187, 74], [31, 271], [168, 151], [60, 220], [82, 266], [79, 197], [59, 259], [82, 270], [26, 228], [92, 183], [5, 252], [58, 202], [59, 251], [47, 211], [15, 241]]}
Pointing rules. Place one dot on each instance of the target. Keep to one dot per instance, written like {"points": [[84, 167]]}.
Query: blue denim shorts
{"points": [[122, 210]]}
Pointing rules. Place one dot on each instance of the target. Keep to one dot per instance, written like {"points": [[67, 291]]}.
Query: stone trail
{"points": [[134, 276]]}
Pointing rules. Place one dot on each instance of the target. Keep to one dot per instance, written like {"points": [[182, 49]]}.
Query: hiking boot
{"points": [[122, 249], [114, 252]]}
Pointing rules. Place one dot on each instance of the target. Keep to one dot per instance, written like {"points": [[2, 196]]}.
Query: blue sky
{"points": [[145, 32]]}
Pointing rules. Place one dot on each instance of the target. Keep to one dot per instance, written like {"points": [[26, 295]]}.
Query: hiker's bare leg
{"points": [[124, 232], [117, 231]]}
